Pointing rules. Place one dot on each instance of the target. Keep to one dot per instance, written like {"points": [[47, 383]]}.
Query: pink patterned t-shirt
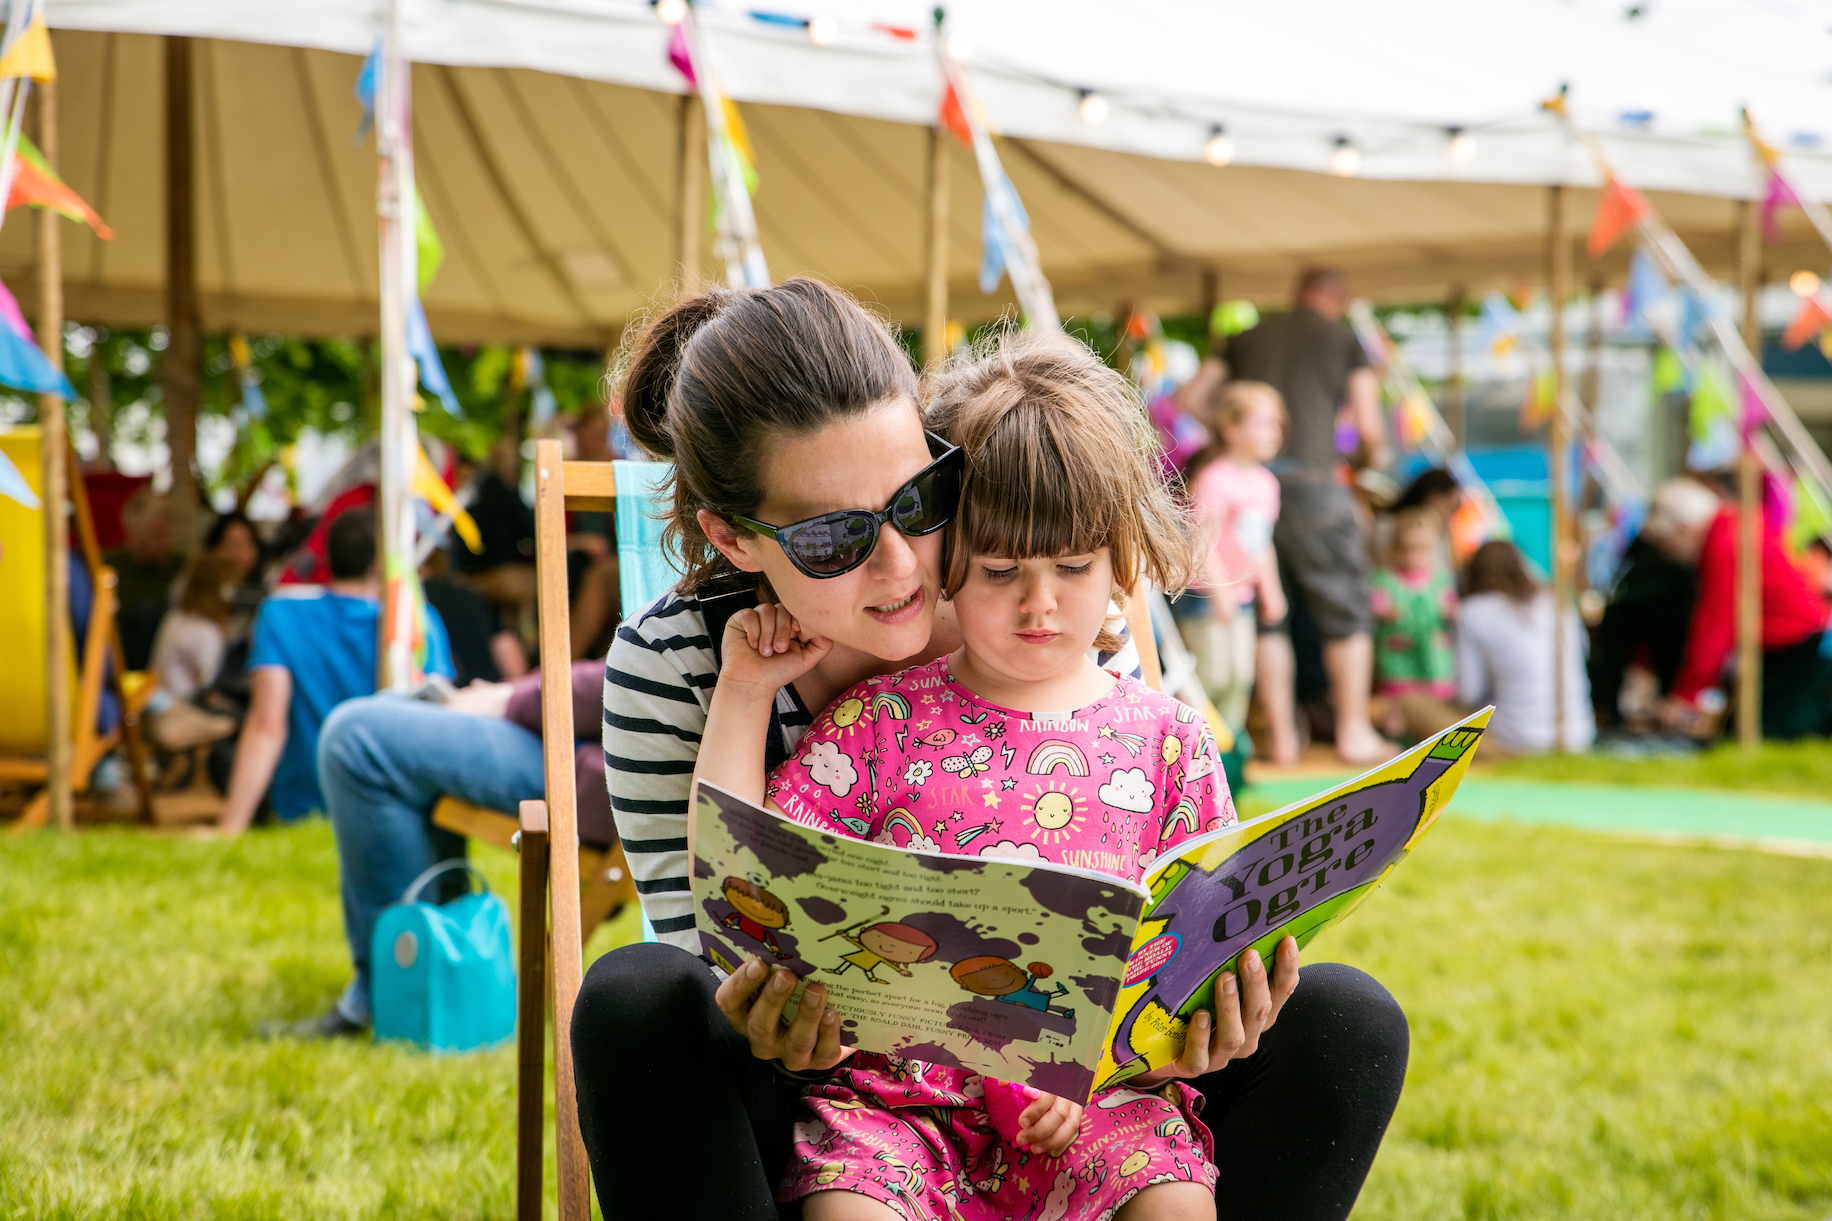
{"points": [[917, 760]]}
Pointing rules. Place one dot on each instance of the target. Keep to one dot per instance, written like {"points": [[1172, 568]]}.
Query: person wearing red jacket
{"points": [[1690, 525]]}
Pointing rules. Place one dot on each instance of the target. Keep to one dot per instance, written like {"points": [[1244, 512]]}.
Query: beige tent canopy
{"points": [[558, 200]]}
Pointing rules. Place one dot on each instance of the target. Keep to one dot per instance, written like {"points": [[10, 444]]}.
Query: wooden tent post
{"points": [[181, 367], [57, 528], [935, 318], [692, 187], [1453, 376], [1558, 275], [1749, 488]]}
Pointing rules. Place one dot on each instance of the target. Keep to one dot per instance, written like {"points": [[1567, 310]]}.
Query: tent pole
{"points": [[1558, 275], [180, 370], [935, 318], [56, 472], [1210, 287], [1453, 377], [1749, 488], [399, 441], [692, 187]]}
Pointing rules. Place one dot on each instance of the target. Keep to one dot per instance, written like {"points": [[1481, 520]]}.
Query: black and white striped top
{"points": [[658, 683]]}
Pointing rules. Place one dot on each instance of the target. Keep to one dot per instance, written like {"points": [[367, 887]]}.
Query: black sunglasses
{"points": [[836, 543]]}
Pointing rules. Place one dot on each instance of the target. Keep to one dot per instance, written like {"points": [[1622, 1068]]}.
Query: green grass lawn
{"points": [[1798, 768], [1601, 1029]]}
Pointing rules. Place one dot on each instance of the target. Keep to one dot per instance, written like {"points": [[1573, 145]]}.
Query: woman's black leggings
{"points": [[681, 1121]]}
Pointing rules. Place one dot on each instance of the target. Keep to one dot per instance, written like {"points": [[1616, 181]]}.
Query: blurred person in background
{"points": [[1234, 619], [311, 652], [591, 545], [1414, 598], [1318, 367], [1505, 656], [504, 571], [147, 565], [1691, 525], [188, 655]]}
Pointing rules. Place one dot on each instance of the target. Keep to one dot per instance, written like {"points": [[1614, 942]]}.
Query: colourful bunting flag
{"points": [[30, 55], [1755, 411], [429, 251], [1669, 373], [1811, 517], [953, 118], [1647, 286], [10, 312], [36, 184], [741, 143], [1618, 208], [24, 367], [1233, 318], [1810, 321], [428, 486], [681, 57], [13, 485], [421, 347], [1779, 195], [254, 402], [1500, 325], [1710, 402], [1537, 404], [365, 92], [998, 245]]}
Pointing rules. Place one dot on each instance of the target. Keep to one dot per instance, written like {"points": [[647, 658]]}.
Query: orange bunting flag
{"points": [[30, 54], [35, 183], [954, 118], [1618, 208], [1810, 321]]}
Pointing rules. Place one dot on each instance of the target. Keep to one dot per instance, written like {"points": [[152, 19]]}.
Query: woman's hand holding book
{"points": [[1245, 1009]]}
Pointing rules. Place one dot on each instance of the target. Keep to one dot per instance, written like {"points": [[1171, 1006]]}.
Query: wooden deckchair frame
{"points": [[551, 968], [100, 642]]}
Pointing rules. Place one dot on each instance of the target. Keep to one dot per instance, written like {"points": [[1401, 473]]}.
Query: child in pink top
{"points": [[1239, 620], [1016, 744]]}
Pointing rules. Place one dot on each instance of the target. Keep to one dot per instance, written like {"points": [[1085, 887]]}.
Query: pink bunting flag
{"points": [[1780, 195], [1755, 411], [681, 57], [9, 310]]}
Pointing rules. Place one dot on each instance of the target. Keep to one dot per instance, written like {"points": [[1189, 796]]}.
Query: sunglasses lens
{"points": [[831, 545], [928, 503]]}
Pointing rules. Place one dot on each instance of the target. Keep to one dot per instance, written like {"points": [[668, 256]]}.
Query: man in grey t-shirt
{"points": [[1317, 364]]}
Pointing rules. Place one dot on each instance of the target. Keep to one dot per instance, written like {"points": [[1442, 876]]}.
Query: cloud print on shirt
{"points": [[1127, 789], [1012, 850], [831, 769]]}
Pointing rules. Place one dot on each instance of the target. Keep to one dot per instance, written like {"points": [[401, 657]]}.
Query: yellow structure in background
{"points": [[22, 605]]}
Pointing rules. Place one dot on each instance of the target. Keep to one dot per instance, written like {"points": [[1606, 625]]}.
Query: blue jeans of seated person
{"points": [[383, 762]]}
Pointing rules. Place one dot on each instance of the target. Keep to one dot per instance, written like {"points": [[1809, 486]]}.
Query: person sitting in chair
{"points": [[311, 653]]}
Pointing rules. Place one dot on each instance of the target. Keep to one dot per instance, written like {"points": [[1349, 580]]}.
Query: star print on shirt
{"points": [[1007, 785], [991, 796], [955, 817], [1106, 760], [941, 825]]}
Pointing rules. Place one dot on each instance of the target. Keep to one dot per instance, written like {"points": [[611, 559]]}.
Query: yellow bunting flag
{"points": [[30, 54], [428, 486]]}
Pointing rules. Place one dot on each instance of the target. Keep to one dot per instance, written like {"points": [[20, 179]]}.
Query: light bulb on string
{"points": [[822, 31], [1346, 159], [672, 12], [1461, 147], [1804, 283], [1220, 149], [1093, 107]]}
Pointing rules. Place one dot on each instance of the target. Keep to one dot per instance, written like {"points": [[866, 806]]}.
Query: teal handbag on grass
{"points": [[442, 975]]}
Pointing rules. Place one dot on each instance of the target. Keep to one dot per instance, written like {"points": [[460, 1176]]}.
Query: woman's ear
{"points": [[736, 547]]}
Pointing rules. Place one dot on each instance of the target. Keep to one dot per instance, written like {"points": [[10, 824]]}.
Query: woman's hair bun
{"points": [[654, 363]]}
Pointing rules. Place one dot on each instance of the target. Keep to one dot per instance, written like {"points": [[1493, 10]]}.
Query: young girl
{"points": [[1242, 605], [1061, 510], [1414, 599]]}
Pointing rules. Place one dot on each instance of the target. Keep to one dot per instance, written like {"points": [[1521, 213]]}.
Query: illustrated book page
{"points": [[997, 966]]}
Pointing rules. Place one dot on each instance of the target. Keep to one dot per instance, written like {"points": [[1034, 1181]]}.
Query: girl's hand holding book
{"points": [[765, 651], [1244, 1010]]}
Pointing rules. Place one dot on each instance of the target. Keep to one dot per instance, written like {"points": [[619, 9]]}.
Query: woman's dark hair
{"points": [[220, 527], [1430, 484], [711, 379], [1498, 568]]}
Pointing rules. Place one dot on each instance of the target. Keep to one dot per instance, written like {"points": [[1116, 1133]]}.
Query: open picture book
{"points": [[1060, 978]]}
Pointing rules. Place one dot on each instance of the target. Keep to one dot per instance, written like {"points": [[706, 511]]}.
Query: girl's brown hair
{"points": [[1061, 460], [708, 381], [203, 588], [1498, 568]]}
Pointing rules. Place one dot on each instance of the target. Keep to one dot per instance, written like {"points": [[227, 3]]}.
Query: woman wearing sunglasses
{"points": [[803, 473]]}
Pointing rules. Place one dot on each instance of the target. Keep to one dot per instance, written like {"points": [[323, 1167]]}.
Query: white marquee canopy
{"points": [[548, 146]]}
